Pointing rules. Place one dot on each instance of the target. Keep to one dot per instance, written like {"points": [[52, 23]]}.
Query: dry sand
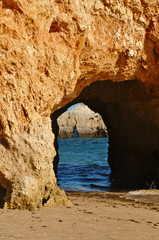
{"points": [[93, 217]]}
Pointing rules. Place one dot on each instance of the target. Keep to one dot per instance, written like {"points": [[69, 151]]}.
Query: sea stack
{"points": [[84, 121]]}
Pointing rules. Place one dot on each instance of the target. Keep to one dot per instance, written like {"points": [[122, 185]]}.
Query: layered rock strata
{"points": [[83, 120], [50, 51]]}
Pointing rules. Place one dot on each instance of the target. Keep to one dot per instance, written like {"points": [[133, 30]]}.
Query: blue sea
{"points": [[83, 164]]}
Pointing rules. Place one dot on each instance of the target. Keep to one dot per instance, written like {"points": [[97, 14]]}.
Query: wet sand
{"points": [[94, 216]]}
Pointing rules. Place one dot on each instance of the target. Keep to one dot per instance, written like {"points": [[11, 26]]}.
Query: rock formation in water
{"points": [[82, 119], [104, 53]]}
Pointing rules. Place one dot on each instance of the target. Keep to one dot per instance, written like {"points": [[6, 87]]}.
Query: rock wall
{"points": [[84, 120], [50, 51]]}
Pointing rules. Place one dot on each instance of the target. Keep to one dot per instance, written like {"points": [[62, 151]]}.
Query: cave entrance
{"points": [[126, 111], [82, 150]]}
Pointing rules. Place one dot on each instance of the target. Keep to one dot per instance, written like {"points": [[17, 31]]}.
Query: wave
{"points": [[83, 164]]}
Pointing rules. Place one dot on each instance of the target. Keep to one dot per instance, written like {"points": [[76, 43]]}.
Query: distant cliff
{"points": [[83, 121]]}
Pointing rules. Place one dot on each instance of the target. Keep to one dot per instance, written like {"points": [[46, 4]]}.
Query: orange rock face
{"points": [[49, 52]]}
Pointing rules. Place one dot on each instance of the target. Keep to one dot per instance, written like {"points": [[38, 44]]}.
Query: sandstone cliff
{"points": [[104, 53], [84, 120]]}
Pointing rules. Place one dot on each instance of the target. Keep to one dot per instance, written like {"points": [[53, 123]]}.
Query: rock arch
{"points": [[52, 51], [82, 122], [126, 110]]}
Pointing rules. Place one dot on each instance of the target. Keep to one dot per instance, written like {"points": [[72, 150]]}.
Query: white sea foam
{"points": [[143, 192]]}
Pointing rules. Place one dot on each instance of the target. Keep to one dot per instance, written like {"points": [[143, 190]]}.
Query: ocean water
{"points": [[83, 164]]}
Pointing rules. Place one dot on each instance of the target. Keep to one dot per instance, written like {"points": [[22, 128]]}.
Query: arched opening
{"points": [[75, 133], [126, 110], [83, 151]]}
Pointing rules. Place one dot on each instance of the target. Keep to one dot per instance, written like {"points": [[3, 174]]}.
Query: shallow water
{"points": [[83, 164]]}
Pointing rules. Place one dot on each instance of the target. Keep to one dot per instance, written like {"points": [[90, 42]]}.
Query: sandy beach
{"points": [[93, 216]]}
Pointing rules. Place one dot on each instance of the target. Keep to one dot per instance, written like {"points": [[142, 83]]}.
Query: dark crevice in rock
{"points": [[25, 112], [11, 4], [46, 196], [47, 73], [55, 129], [2, 195], [57, 26], [54, 27], [6, 189], [1, 127], [4, 142], [45, 200]]}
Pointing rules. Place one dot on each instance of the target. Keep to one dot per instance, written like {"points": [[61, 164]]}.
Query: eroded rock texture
{"points": [[50, 51], [82, 119]]}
